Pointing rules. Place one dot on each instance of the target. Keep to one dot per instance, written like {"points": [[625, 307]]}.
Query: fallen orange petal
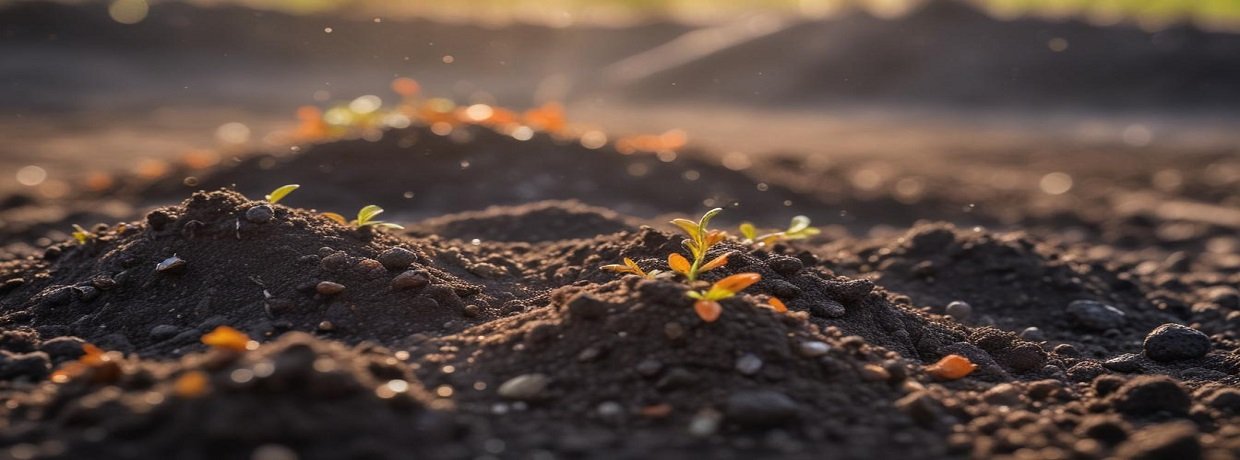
{"points": [[952, 367], [227, 338], [708, 310], [778, 305], [191, 384], [718, 262]]}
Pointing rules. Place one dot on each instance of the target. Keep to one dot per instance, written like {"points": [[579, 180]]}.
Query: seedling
{"points": [[799, 229], [707, 305], [631, 267], [365, 218], [699, 243], [278, 194], [82, 235]]}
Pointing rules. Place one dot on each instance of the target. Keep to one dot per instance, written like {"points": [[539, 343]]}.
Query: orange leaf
{"points": [[718, 262], [191, 384], [336, 218], [227, 338], [708, 310], [737, 283], [678, 263], [778, 305], [952, 367], [714, 237]]}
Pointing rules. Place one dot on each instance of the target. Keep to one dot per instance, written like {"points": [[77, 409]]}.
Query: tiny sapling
{"points": [[278, 194], [631, 267], [707, 305], [82, 235], [799, 229], [699, 241], [365, 218]]}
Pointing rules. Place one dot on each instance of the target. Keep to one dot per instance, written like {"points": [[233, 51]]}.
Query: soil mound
{"points": [[531, 223]]}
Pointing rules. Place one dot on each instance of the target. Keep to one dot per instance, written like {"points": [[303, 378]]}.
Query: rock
{"points": [[960, 311], [1174, 342], [396, 259], [472, 311], [748, 364], [170, 265], [1107, 384], [524, 387], [412, 279], [1003, 394], [86, 293], [63, 348], [163, 332], [1085, 371], [1226, 401], [1107, 429], [1095, 316], [1148, 395], [784, 290], [813, 349], [329, 288], [784, 265], [874, 373], [336, 261], [760, 408], [1127, 363], [1168, 441], [1032, 334], [103, 282], [260, 214], [649, 367]]}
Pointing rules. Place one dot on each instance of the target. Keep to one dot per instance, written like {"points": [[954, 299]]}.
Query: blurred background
{"points": [[125, 86]]}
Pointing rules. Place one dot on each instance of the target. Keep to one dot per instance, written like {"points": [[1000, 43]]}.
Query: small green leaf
{"points": [[366, 214], [82, 235], [749, 231], [278, 194], [799, 224]]}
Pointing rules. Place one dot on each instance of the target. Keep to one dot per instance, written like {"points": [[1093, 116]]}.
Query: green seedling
{"points": [[707, 306], [699, 242], [799, 229], [278, 194], [82, 235], [365, 218], [631, 267]]}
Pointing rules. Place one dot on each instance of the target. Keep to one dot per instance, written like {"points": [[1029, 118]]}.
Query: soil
{"points": [[494, 333]]}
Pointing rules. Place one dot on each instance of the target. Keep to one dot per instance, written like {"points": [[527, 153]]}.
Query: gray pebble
{"points": [[170, 265], [412, 279], [813, 349], [1174, 342], [748, 364], [1127, 363], [959, 310], [164, 332], [260, 214], [1032, 334], [524, 387], [1096, 316], [760, 408], [649, 367], [705, 423], [396, 259]]}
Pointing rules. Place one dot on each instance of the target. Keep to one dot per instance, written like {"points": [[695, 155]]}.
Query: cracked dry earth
{"points": [[493, 334]]}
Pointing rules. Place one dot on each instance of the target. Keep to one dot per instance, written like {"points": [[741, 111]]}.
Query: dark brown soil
{"points": [[493, 333]]}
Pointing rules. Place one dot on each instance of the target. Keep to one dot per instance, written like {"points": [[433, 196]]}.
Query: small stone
{"points": [[760, 408], [164, 332], [326, 326], [1032, 334], [1148, 395], [524, 387], [959, 310], [1003, 394], [336, 261], [1174, 342], [63, 348], [1127, 363], [412, 279], [784, 265], [673, 330], [748, 364], [610, 409], [329, 288], [589, 354], [486, 270], [172, 264], [396, 259], [649, 367], [828, 309], [1105, 428], [874, 373], [813, 349], [103, 282], [260, 214], [1096, 316], [705, 423], [473, 311], [1066, 349]]}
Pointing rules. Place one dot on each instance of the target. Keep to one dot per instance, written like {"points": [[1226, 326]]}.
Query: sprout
{"points": [[699, 243], [278, 194], [799, 229], [227, 338], [82, 235], [631, 267], [707, 305], [365, 218]]}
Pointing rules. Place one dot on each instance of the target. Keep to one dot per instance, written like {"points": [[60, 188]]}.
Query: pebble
{"points": [[760, 408], [524, 387], [589, 354], [1032, 334], [649, 367], [164, 332], [335, 261], [785, 265], [1148, 395], [1097, 316], [1173, 342], [412, 279], [959, 310], [673, 330], [610, 409], [705, 423], [328, 288], [396, 259], [1085, 371], [748, 364], [1127, 363], [784, 290], [677, 377], [813, 349], [1003, 394], [260, 214], [170, 265], [874, 373], [473, 311], [486, 270]]}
